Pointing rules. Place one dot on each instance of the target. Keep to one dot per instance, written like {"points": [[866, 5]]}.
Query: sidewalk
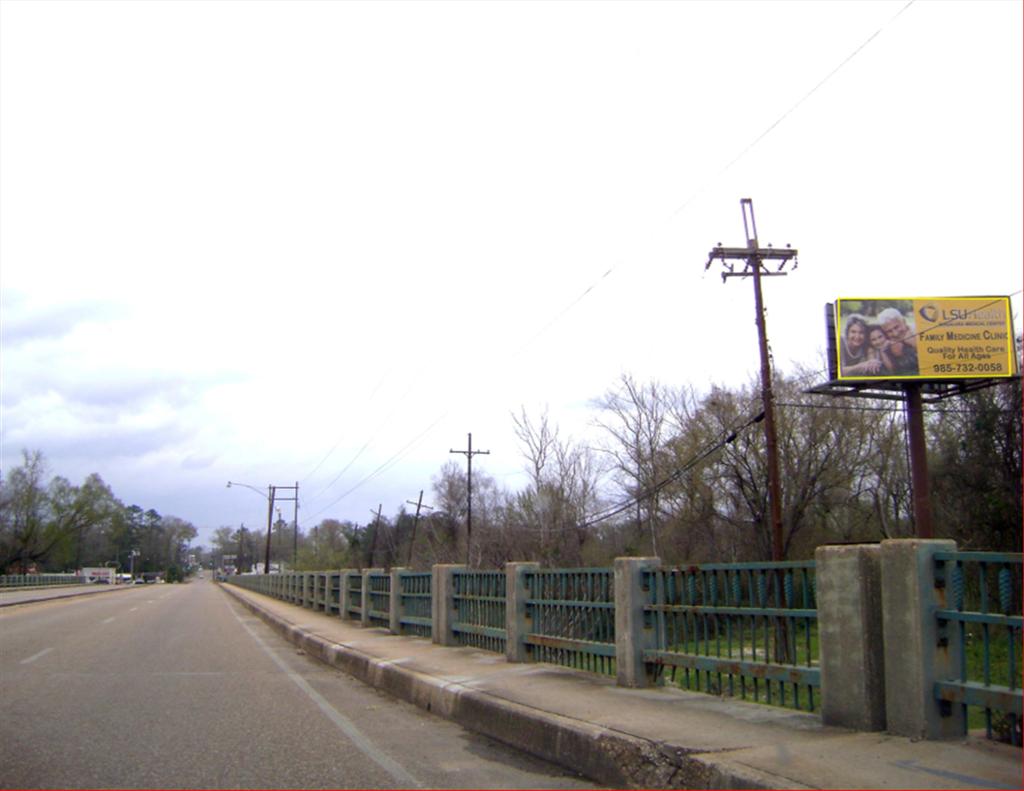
{"points": [[640, 738]]}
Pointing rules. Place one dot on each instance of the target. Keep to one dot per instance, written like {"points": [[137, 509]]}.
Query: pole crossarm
{"points": [[469, 453]]}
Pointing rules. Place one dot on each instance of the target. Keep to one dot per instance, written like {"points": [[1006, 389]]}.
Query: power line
{"points": [[598, 281], [793, 108]]}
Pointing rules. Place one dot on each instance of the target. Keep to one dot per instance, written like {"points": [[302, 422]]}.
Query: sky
{"points": [[299, 242]]}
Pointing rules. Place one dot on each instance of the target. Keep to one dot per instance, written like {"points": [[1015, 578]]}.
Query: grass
{"points": [[1001, 673]]}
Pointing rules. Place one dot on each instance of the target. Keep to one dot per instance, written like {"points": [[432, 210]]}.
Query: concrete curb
{"points": [[602, 754]]}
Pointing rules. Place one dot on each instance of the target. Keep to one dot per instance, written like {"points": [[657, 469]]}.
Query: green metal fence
{"points": [[332, 605], [983, 621], [354, 602], [740, 629], [416, 617], [38, 580], [380, 598], [478, 598], [571, 618]]}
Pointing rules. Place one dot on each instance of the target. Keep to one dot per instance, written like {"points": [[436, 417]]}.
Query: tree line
{"points": [[682, 475], [677, 473], [48, 524]]}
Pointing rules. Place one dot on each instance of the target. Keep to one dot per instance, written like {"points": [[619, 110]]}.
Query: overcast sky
{"points": [[276, 242]]}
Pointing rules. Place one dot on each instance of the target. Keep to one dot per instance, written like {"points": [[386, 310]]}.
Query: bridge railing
{"points": [[38, 580], [746, 630], [377, 598], [415, 603], [981, 626], [478, 602], [570, 618], [907, 636]]}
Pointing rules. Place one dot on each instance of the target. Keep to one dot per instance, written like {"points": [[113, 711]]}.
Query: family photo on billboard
{"points": [[877, 339]]}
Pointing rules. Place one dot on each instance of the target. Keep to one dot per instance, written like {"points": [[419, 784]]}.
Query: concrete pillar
{"points": [[343, 599], [516, 624], [633, 632], [442, 609], [395, 609], [917, 654], [851, 649], [307, 593]]}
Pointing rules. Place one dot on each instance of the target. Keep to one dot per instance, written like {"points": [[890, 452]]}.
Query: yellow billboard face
{"points": [[938, 338]]}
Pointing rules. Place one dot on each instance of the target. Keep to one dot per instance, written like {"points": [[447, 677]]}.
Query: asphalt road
{"points": [[177, 686]]}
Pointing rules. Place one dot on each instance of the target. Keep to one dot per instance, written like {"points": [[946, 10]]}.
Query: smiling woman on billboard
{"points": [[933, 339]]}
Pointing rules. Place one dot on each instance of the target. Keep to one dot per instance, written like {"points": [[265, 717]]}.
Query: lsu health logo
{"points": [[929, 313]]}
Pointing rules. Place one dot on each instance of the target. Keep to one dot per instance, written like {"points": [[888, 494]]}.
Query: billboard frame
{"points": [[932, 388]]}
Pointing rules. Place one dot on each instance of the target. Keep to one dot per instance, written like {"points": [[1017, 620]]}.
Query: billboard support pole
{"points": [[918, 461]]}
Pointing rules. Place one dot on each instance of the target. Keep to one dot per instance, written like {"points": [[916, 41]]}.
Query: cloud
{"points": [[23, 322]]}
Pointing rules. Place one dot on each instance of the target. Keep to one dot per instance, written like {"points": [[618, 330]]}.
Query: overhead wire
{"points": [[604, 276]]}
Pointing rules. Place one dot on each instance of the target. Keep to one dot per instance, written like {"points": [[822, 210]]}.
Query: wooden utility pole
{"points": [[469, 453], [753, 259], [416, 520], [373, 538], [271, 497]]}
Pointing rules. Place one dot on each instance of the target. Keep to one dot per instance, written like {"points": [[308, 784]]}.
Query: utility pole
{"points": [[373, 538], [753, 259], [241, 557], [469, 453], [272, 490], [270, 518], [416, 520]]}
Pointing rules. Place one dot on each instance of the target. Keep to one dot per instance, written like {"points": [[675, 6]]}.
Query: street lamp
{"points": [[270, 516], [270, 513]]}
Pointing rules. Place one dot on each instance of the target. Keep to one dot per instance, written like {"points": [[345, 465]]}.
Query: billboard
{"points": [[932, 338]]}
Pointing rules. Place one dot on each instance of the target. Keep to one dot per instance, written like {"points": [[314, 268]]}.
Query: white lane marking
{"points": [[108, 620], [402, 778], [133, 609], [34, 657]]}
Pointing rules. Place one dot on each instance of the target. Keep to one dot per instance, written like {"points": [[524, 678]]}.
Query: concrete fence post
{"points": [[633, 632], [307, 593], [851, 649], [516, 624], [343, 595], [917, 653], [395, 608], [365, 620], [442, 606]]}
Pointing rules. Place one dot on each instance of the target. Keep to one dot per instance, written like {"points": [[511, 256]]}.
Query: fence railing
{"points": [[478, 601], [741, 629], [38, 580], [982, 625], [354, 596], [379, 603], [766, 632], [415, 603], [570, 617]]}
